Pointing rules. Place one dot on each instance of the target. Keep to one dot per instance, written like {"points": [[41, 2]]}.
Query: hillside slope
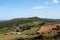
{"points": [[17, 21]]}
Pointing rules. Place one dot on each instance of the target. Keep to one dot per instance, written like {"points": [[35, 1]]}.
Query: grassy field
{"points": [[8, 37], [15, 37], [25, 34], [11, 37]]}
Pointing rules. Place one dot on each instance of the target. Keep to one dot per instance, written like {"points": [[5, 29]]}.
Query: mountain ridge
{"points": [[17, 21]]}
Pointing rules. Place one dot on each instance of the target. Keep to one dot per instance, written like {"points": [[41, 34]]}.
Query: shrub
{"points": [[32, 31]]}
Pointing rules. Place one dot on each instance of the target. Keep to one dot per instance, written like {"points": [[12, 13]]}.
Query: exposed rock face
{"points": [[48, 28]]}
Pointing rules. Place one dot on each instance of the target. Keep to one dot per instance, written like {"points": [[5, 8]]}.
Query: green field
{"points": [[25, 34]]}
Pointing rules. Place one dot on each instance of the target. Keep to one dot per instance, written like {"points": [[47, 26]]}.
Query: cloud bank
{"points": [[55, 1], [39, 7]]}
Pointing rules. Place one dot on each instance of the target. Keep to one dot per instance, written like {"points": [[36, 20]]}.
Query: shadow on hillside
{"points": [[57, 37]]}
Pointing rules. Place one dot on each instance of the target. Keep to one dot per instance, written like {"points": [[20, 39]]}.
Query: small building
{"points": [[16, 32]]}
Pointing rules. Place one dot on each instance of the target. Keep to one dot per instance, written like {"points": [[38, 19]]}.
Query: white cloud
{"points": [[55, 1], [39, 7]]}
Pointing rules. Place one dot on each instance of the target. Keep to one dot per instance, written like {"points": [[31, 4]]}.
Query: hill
{"points": [[30, 27], [17, 21]]}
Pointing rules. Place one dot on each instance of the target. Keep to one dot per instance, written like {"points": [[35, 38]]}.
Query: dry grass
{"points": [[8, 37], [11, 37], [48, 27]]}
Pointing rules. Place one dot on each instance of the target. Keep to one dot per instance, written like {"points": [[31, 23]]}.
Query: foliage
{"points": [[32, 31], [57, 28], [49, 35], [27, 26]]}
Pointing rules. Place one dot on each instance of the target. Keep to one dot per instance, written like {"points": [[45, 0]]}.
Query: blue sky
{"points": [[28, 8]]}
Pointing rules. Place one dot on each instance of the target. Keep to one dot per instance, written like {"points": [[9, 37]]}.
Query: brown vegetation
{"points": [[48, 28]]}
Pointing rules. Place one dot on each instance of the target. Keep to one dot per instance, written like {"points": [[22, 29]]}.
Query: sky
{"points": [[10, 9]]}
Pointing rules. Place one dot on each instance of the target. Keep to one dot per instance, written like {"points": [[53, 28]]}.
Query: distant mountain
{"points": [[58, 20], [17, 21]]}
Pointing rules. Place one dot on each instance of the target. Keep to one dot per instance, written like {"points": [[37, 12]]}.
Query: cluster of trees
{"points": [[57, 28], [17, 21], [22, 27], [27, 26]]}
